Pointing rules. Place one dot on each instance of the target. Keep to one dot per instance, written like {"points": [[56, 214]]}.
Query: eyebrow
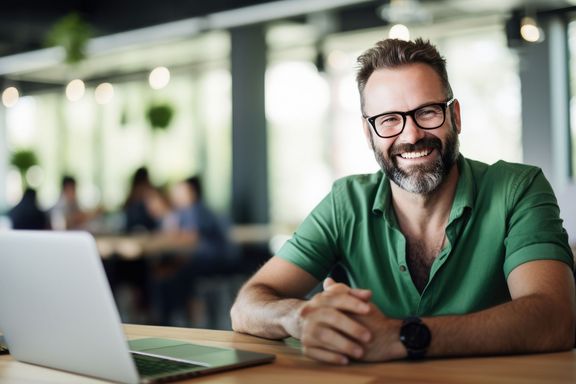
{"points": [[413, 109]]}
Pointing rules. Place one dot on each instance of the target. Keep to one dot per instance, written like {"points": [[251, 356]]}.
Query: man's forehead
{"points": [[402, 87]]}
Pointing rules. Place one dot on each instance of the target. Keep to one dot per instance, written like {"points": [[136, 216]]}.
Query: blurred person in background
{"points": [[203, 247], [194, 222], [137, 215], [144, 210], [27, 214], [159, 208], [66, 213]]}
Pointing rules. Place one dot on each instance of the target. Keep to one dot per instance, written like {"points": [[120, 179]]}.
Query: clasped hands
{"points": [[341, 324]]}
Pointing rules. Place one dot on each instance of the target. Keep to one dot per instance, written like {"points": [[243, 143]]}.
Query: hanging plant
{"points": [[160, 115], [23, 160], [124, 117], [71, 33]]}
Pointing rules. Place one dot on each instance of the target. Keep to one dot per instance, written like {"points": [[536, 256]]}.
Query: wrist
{"points": [[397, 349], [415, 337], [290, 321], [388, 342]]}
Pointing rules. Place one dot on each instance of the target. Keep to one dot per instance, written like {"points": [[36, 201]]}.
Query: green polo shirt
{"points": [[503, 215]]}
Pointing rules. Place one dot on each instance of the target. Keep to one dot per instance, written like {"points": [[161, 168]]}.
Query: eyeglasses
{"points": [[429, 116]]}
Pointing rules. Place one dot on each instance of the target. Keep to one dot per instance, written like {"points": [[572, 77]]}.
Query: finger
{"points": [[325, 356], [349, 327], [328, 282], [331, 285], [362, 294], [331, 340], [342, 327], [340, 301]]}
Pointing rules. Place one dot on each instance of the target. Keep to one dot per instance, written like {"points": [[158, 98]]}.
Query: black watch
{"points": [[416, 337]]}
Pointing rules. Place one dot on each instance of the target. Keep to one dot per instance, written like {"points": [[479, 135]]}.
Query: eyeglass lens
{"points": [[427, 117]]}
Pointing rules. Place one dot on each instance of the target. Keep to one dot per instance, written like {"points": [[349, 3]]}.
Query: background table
{"points": [[291, 367]]}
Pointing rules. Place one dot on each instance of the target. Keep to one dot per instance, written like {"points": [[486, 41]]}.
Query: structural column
{"points": [[546, 139], [4, 155], [544, 80], [249, 139]]}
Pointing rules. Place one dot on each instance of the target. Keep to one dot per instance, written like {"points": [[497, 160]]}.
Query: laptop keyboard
{"points": [[150, 366]]}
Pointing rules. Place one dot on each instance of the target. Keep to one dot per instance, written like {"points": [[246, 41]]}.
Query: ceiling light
{"points": [[159, 77], [399, 31], [530, 30], [75, 90], [10, 97], [104, 93]]}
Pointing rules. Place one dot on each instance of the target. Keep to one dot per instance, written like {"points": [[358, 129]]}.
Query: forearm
{"points": [[528, 324], [260, 311]]}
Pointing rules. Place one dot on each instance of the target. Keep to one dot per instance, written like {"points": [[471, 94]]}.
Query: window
{"points": [[101, 145], [315, 120]]}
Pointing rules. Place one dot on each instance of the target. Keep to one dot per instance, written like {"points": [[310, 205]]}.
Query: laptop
{"points": [[57, 311]]}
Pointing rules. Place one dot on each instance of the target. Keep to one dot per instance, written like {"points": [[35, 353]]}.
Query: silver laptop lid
{"points": [[56, 307]]}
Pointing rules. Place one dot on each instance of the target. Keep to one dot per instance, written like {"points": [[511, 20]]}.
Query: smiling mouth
{"points": [[416, 154]]}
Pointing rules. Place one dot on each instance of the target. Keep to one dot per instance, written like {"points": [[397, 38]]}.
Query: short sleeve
{"points": [[534, 230], [313, 247]]}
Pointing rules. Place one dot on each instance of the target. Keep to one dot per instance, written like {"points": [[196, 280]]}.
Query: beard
{"points": [[422, 179]]}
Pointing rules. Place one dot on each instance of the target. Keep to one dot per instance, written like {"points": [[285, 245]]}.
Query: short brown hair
{"points": [[392, 53]]}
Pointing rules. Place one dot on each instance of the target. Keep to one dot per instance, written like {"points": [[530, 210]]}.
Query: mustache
{"points": [[425, 143]]}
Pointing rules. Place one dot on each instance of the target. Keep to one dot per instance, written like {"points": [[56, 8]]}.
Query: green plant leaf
{"points": [[160, 115], [23, 160], [72, 33]]}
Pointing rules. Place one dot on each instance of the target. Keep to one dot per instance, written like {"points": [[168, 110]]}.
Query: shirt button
{"points": [[402, 268]]}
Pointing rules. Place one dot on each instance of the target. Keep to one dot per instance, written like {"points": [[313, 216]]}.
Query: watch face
{"points": [[415, 336]]}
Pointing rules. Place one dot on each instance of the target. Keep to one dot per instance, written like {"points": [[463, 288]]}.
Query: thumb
{"points": [[328, 282]]}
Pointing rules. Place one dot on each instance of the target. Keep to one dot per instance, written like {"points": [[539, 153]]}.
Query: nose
{"points": [[411, 133]]}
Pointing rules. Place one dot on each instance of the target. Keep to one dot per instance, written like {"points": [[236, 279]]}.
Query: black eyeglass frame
{"points": [[444, 105]]}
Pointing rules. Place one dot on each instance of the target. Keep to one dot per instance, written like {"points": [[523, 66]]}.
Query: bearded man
{"points": [[446, 256]]}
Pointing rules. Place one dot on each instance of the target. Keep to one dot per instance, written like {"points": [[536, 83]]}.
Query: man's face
{"points": [[69, 191], [182, 195], [417, 160]]}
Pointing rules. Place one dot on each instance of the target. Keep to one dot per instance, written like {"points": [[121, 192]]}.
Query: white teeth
{"points": [[414, 155]]}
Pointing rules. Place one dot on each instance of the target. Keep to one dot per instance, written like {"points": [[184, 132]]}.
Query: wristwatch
{"points": [[416, 337]]}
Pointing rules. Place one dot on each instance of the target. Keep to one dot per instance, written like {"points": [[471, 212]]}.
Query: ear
{"points": [[457, 117]]}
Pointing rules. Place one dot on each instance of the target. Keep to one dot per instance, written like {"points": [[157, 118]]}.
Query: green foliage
{"points": [[160, 115], [23, 160], [72, 33]]}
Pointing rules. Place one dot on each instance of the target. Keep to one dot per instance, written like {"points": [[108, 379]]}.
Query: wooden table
{"points": [[291, 367], [135, 246], [132, 247]]}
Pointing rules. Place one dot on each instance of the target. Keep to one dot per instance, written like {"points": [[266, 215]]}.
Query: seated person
{"points": [[138, 217], [201, 247], [27, 215], [66, 213], [142, 211], [446, 256], [194, 221]]}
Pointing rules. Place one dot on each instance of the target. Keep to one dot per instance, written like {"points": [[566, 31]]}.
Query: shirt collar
{"points": [[465, 189], [383, 197], [464, 197]]}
